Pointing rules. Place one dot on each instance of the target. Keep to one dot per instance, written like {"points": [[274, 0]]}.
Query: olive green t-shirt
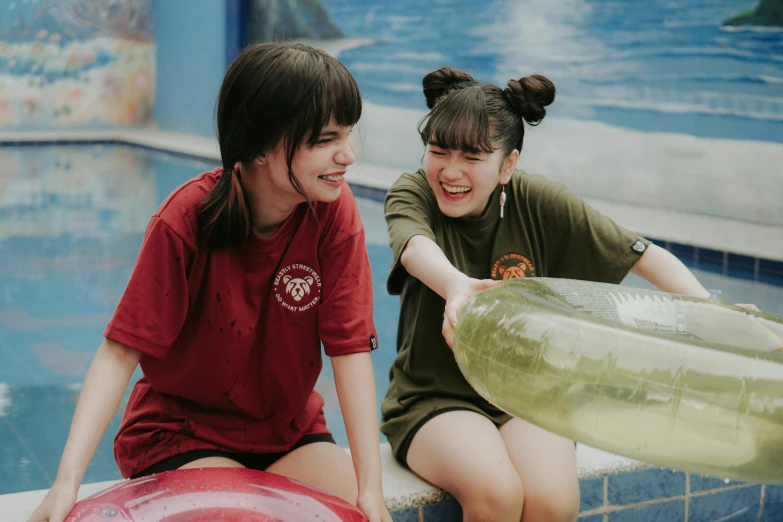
{"points": [[547, 232]]}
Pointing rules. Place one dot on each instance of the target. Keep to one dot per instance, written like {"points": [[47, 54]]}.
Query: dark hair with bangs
{"points": [[479, 117], [271, 92]]}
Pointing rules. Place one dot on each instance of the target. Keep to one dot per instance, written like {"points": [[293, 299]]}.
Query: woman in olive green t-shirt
{"points": [[462, 223]]}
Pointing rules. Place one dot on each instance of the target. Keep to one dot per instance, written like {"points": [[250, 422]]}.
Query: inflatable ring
{"points": [[213, 495], [678, 382]]}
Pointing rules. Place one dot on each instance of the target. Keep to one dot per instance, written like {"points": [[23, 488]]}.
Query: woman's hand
{"points": [[424, 260], [57, 504], [373, 506], [456, 294]]}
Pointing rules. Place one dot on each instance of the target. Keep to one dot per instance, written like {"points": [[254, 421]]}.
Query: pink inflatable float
{"points": [[213, 495]]}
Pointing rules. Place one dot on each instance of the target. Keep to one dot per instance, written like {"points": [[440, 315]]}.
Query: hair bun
{"points": [[437, 83], [529, 95]]}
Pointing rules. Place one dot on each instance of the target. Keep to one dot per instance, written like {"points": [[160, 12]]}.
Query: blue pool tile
{"points": [[39, 418], [591, 493], [37, 143], [741, 267], [206, 157], [449, 511], [364, 191], [671, 511], [699, 483], [735, 505], [19, 469], [592, 518], [42, 418], [685, 253], [405, 515], [19, 358], [650, 484], [771, 272], [710, 260], [774, 516], [773, 494], [13, 370], [773, 504]]}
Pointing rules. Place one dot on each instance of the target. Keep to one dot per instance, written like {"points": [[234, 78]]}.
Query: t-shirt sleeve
{"points": [[153, 308], [409, 205], [583, 243], [345, 316]]}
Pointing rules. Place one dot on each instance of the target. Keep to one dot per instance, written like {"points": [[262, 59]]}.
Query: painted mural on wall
{"points": [[670, 104], [283, 19], [76, 63], [767, 12]]}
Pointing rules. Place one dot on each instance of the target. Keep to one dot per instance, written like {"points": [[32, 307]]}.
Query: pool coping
{"points": [[403, 490], [752, 241], [625, 493]]}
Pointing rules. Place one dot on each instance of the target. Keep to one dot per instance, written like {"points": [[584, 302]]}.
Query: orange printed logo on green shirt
{"points": [[513, 266]]}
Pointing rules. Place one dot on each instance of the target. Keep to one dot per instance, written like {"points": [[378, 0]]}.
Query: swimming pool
{"points": [[72, 219]]}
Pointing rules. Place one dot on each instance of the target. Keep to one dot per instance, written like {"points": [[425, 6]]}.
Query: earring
{"points": [[259, 161], [502, 201]]}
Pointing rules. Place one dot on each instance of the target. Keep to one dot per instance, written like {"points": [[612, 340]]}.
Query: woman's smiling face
{"points": [[464, 181]]}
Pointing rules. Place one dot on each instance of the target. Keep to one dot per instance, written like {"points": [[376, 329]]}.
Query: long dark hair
{"points": [[272, 92], [480, 117]]}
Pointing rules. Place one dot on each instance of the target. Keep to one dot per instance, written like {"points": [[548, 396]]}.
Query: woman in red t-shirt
{"points": [[243, 274]]}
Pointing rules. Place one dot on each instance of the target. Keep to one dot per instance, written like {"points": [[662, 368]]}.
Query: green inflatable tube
{"points": [[675, 381]]}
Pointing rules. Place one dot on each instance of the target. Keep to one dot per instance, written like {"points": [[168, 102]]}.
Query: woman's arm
{"points": [[424, 260], [103, 388], [355, 383], [661, 268]]}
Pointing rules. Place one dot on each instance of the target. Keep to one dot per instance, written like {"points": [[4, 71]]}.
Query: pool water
{"points": [[72, 219]]}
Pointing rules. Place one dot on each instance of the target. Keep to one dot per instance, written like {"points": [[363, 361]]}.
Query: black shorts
{"points": [[402, 429], [257, 461]]}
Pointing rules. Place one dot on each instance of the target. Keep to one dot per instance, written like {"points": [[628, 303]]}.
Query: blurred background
{"points": [[668, 117]]}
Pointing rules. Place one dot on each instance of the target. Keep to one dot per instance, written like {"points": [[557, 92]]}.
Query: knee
{"points": [[494, 500], [555, 505]]}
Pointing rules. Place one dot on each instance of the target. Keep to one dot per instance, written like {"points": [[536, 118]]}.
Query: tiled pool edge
{"points": [[372, 181], [649, 494], [621, 493], [735, 502], [765, 248]]}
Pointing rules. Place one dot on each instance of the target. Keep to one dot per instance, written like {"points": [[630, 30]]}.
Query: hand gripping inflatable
{"points": [[674, 381], [213, 495]]}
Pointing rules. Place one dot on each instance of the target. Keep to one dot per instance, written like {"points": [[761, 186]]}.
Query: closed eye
{"points": [[331, 134]]}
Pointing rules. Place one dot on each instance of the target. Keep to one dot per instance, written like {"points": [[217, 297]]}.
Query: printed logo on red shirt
{"points": [[297, 287]]}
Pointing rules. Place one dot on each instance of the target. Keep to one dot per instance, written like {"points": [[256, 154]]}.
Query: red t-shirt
{"points": [[232, 339]]}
